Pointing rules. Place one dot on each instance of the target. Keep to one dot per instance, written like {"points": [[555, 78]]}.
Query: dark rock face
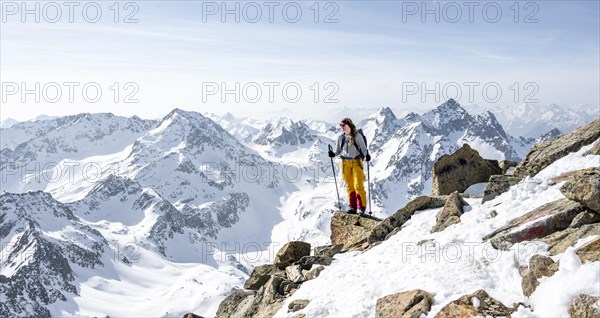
{"points": [[544, 154], [306, 262], [547, 219], [458, 171]]}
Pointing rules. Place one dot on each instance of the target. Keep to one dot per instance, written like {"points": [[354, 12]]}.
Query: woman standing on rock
{"points": [[352, 148]]}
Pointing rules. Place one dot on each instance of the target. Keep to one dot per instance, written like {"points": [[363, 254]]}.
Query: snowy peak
{"points": [[485, 125], [183, 132], [448, 117], [384, 113], [285, 131]]}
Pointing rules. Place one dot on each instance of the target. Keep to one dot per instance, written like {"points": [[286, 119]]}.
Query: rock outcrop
{"points": [[297, 304], [544, 154], [544, 220], [507, 164], [589, 252], [584, 306], [458, 171], [291, 252], [595, 149], [558, 242], [539, 266], [410, 304], [474, 305], [450, 213], [350, 230], [270, 284], [396, 220], [498, 184], [584, 187], [261, 275]]}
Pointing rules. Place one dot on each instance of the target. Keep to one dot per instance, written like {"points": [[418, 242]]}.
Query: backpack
{"points": [[360, 132]]}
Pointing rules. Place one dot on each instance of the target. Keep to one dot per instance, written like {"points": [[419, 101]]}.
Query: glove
{"points": [[368, 158], [331, 154]]}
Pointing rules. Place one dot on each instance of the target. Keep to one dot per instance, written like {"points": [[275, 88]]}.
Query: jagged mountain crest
{"points": [[285, 131], [448, 117], [37, 267]]}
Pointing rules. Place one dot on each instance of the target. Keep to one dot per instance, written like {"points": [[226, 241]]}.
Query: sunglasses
{"points": [[342, 125]]}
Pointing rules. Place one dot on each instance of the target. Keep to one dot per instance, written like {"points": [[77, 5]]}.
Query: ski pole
{"points": [[335, 179], [369, 186]]}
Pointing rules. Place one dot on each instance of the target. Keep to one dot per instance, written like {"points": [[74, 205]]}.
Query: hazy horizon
{"points": [[147, 58]]}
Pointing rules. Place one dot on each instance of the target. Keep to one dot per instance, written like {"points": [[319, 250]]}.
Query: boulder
{"points": [[498, 184], [589, 252], [539, 266], [306, 262], [585, 217], [544, 154], [236, 303], [544, 220], [595, 149], [290, 253], [191, 315], [328, 250], [269, 298], [313, 273], [396, 220], [294, 273], [450, 213], [463, 168], [558, 242], [264, 302], [584, 306], [260, 275], [507, 164], [584, 187], [474, 305], [410, 304], [297, 304], [350, 230]]}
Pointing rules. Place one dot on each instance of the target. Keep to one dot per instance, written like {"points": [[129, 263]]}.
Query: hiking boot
{"points": [[351, 211], [363, 211]]}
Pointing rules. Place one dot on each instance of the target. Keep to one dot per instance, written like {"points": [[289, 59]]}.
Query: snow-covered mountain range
{"points": [[113, 211], [531, 120]]}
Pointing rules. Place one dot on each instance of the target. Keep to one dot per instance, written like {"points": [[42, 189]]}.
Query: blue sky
{"points": [[371, 54]]}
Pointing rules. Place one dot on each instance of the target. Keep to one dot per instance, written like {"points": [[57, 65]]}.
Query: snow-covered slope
{"points": [[456, 261]]}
